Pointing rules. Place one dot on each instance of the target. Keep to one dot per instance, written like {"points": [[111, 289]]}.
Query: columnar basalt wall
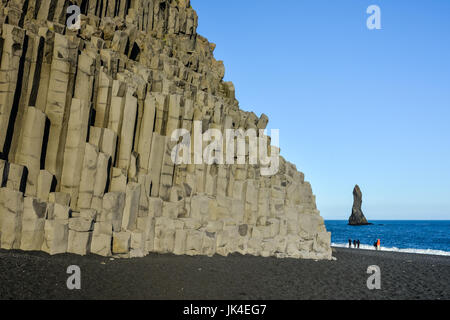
{"points": [[86, 117]]}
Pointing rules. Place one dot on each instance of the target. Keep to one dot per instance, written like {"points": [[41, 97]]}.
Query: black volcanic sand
{"points": [[404, 276]]}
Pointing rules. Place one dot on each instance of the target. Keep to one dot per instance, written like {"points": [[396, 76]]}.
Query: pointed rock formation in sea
{"points": [[357, 218]]}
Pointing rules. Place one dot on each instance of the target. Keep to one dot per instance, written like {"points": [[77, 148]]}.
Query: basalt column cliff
{"points": [[86, 117]]}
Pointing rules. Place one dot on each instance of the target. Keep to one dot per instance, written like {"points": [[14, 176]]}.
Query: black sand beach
{"points": [[403, 276]]}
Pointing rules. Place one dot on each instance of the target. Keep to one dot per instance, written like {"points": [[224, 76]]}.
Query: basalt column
{"points": [[99, 141]]}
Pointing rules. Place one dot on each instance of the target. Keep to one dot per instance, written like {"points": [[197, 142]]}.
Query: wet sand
{"points": [[404, 276]]}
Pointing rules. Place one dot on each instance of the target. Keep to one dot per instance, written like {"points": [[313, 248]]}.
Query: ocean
{"points": [[423, 237]]}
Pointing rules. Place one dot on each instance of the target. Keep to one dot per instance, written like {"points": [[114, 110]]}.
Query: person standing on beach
{"points": [[358, 243], [354, 244], [350, 243], [378, 244]]}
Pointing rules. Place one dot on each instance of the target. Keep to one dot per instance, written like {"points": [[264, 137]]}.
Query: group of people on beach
{"points": [[357, 243]]}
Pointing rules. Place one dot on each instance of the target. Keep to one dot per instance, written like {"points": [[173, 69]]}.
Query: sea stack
{"points": [[357, 218]]}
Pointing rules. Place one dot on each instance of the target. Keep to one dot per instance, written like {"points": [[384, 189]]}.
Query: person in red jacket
{"points": [[378, 244]]}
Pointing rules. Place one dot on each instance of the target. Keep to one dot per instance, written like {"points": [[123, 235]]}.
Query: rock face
{"points": [[357, 218], [86, 155]]}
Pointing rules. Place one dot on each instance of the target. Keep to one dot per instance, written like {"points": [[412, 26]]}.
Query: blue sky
{"points": [[354, 106]]}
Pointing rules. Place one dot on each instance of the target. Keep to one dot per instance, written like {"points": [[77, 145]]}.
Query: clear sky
{"points": [[353, 105]]}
